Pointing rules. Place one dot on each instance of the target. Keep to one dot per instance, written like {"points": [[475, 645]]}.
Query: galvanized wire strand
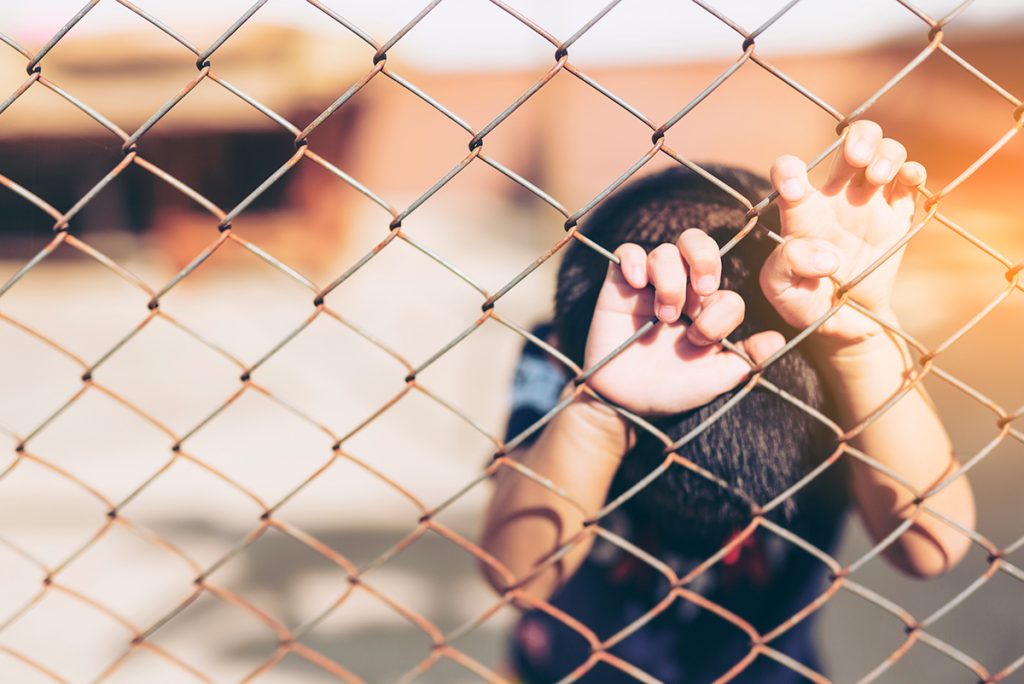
{"points": [[359, 579]]}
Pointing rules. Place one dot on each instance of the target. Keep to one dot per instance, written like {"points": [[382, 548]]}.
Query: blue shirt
{"points": [[765, 581]]}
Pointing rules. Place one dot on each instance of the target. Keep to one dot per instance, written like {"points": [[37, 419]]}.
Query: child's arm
{"points": [[864, 208], [673, 368], [579, 452], [838, 230]]}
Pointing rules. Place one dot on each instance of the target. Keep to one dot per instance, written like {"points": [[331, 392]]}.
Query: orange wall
{"points": [[572, 141]]}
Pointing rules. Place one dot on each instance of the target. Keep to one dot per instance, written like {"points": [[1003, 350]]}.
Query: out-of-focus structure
{"points": [[212, 142], [347, 412], [218, 144]]}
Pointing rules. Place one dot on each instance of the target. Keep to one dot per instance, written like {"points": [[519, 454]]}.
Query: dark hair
{"points": [[763, 444]]}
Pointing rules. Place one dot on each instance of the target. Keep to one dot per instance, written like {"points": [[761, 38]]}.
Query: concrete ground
{"points": [[338, 379]]}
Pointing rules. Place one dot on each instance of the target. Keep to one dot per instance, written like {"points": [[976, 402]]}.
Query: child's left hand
{"points": [[676, 366], [839, 230]]}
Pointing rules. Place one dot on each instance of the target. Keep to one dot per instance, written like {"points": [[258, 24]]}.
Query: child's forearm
{"points": [[909, 439], [578, 452]]}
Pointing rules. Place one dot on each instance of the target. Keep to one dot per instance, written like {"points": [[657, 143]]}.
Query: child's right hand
{"points": [[675, 367], [841, 229]]}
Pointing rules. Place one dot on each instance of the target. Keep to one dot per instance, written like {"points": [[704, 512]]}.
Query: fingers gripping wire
{"points": [[681, 283]]}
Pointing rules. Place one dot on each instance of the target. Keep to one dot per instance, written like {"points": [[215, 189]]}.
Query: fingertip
{"points": [[858, 152], [695, 234], [706, 285], [913, 174], [880, 172], [762, 345], [785, 161], [888, 161], [732, 300], [697, 338], [722, 313], [789, 177], [700, 253], [861, 141], [665, 270], [635, 275], [633, 263], [667, 313], [793, 190]]}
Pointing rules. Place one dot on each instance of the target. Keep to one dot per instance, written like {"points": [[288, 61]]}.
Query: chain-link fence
{"points": [[445, 644]]}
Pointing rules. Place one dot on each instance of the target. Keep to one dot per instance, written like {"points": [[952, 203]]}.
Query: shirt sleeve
{"points": [[538, 381]]}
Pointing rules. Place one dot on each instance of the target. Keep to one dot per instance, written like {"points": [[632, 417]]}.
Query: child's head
{"points": [[763, 444]]}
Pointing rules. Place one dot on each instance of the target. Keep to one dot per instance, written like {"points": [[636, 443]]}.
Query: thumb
{"points": [[730, 369], [795, 269], [760, 346]]}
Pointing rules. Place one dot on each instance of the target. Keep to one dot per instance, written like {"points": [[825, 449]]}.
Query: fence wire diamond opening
{"points": [[445, 645]]}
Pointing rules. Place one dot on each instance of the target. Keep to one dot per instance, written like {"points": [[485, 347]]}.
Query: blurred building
{"points": [[212, 141], [568, 139], [572, 141]]}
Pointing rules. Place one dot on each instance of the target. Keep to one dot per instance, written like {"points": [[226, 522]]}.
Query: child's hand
{"points": [[840, 229], [675, 367]]}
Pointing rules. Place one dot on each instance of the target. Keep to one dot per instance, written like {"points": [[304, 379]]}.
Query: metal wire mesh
{"points": [[445, 645]]}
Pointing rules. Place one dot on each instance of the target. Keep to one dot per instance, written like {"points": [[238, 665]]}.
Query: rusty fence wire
{"points": [[446, 645]]}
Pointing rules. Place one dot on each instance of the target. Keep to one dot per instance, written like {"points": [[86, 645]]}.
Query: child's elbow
{"points": [[494, 577], [491, 562]]}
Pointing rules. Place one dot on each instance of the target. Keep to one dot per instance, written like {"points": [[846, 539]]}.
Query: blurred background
{"points": [[568, 139]]}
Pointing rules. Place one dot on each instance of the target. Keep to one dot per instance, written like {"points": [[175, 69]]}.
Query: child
{"points": [[678, 375]]}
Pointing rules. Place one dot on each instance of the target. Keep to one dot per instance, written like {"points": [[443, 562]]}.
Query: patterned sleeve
{"points": [[538, 381]]}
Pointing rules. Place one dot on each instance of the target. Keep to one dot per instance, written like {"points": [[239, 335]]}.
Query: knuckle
{"points": [[698, 244], [663, 251], [701, 332], [791, 162], [734, 306], [692, 234], [894, 147], [734, 299], [707, 324], [868, 128], [666, 261], [785, 162], [697, 337], [704, 260], [668, 296]]}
